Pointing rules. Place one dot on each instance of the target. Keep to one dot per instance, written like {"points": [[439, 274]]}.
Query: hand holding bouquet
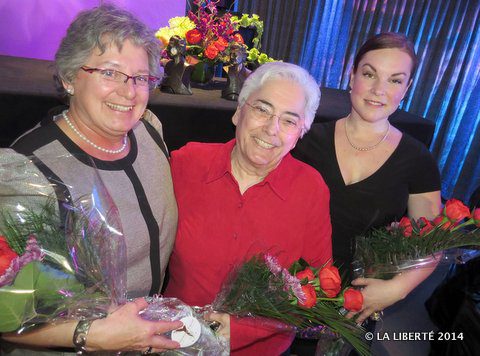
{"points": [[301, 297], [410, 243]]}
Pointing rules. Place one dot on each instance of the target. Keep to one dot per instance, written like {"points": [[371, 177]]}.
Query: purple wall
{"points": [[34, 28]]}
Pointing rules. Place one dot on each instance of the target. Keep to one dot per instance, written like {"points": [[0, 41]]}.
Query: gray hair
{"points": [[282, 70], [99, 28]]}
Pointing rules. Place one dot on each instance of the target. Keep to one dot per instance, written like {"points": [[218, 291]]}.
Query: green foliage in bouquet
{"points": [[261, 288], [38, 281], [412, 243]]}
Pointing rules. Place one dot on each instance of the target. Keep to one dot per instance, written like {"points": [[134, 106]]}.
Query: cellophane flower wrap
{"points": [[307, 299], [410, 244], [59, 258], [196, 337]]}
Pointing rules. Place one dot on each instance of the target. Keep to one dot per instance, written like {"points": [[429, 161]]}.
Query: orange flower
{"points": [[406, 225], [443, 221], [193, 36], [330, 281], [425, 226], [221, 44], [476, 216], [310, 296], [6, 255], [238, 38], [352, 299], [211, 52], [455, 210], [306, 273]]}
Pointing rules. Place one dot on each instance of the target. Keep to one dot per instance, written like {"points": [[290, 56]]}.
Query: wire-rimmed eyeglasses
{"points": [[288, 123]]}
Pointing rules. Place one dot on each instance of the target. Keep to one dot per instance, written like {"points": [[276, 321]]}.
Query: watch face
{"points": [[189, 333]]}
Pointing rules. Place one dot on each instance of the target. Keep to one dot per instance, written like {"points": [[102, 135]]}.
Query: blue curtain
{"points": [[446, 89]]}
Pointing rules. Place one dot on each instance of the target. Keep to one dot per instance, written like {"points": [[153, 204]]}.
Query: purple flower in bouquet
{"points": [[32, 253]]}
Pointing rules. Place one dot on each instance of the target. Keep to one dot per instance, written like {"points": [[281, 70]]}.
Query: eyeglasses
{"points": [[287, 123], [112, 75]]}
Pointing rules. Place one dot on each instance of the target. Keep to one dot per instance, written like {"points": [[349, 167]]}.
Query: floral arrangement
{"points": [[302, 297], [209, 36], [412, 243], [53, 265]]}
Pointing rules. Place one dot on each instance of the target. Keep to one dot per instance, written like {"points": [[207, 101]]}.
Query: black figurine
{"points": [[236, 71], [177, 71]]}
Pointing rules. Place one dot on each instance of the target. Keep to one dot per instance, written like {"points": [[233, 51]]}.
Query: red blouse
{"points": [[286, 215]]}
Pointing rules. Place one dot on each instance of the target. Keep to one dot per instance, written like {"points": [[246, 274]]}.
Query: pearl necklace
{"points": [[106, 150], [368, 148]]}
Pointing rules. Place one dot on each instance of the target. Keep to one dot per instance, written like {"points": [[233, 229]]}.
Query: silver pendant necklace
{"points": [[367, 148], [82, 136]]}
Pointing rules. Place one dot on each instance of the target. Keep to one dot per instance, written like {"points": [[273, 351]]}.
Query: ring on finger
{"points": [[147, 351], [376, 316]]}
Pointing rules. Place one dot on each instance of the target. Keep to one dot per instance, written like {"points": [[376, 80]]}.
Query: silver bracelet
{"points": [[80, 335]]}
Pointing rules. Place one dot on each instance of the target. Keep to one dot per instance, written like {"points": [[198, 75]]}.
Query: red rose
{"points": [[476, 216], [306, 273], [221, 44], [6, 255], [352, 299], [443, 221], [238, 38], [425, 226], [193, 36], [455, 210], [310, 296], [211, 52], [406, 225], [330, 281]]}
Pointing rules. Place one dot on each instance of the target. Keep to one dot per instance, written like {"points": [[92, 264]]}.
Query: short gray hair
{"points": [[289, 71], [99, 28]]}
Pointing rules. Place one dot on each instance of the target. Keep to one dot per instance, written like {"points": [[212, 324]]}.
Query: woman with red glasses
{"points": [[106, 65]]}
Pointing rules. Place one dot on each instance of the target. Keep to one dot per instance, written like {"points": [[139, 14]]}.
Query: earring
{"points": [[70, 91]]}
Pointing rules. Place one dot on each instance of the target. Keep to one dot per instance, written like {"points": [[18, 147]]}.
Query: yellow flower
{"points": [[176, 26]]}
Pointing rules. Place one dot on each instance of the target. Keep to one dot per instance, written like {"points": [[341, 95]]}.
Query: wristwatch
{"points": [[80, 335]]}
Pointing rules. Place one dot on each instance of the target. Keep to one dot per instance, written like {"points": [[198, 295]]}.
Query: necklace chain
{"points": [[368, 148], [82, 136]]}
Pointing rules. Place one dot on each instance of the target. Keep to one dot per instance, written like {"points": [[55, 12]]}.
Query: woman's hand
{"points": [[378, 294], [125, 330], [224, 320]]}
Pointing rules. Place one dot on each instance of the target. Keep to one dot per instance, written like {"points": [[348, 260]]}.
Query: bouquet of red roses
{"points": [[302, 297], [411, 243]]}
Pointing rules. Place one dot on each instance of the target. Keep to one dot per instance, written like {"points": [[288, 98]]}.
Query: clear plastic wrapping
{"points": [[60, 257], [196, 337]]}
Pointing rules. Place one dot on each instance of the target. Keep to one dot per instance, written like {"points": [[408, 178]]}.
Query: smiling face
{"points": [[380, 83], [261, 145], [104, 108]]}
